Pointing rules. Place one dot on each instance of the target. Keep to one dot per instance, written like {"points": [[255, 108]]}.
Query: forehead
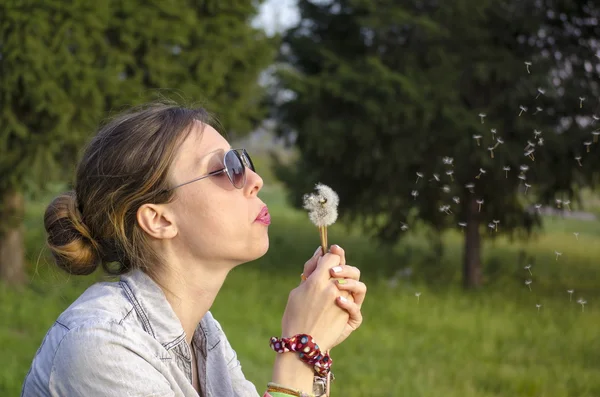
{"points": [[201, 142]]}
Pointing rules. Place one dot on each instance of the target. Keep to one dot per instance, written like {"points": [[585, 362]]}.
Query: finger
{"points": [[356, 288], [353, 310], [311, 264], [336, 249], [346, 271], [324, 264]]}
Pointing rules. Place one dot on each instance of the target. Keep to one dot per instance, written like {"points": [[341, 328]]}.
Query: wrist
{"points": [[289, 370]]}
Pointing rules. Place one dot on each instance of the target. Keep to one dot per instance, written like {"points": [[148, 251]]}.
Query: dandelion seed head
{"points": [[322, 205]]}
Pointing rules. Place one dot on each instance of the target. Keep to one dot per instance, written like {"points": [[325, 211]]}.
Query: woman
{"points": [[161, 200]]}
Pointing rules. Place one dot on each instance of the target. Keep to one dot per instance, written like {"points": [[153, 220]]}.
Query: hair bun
{"points": [[69, 239]]}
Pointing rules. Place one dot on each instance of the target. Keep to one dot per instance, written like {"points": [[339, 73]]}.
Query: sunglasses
{"points": [[235, 162]]}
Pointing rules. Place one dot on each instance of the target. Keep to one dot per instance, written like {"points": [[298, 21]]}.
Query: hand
{"points": [[312, 307], [354, 290]]}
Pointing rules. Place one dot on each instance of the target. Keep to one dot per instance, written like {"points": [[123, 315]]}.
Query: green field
{"points": [[451, 343]]}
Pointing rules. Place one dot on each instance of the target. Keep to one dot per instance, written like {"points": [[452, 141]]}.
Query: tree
{"points": [[379, 92], [63, 65]]}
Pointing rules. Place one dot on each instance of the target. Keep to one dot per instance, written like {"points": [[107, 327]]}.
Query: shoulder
{"points": [[101, 302], [109, 355]]}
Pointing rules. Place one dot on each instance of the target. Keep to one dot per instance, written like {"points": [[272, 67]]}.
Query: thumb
{"points": [[311, 264]]}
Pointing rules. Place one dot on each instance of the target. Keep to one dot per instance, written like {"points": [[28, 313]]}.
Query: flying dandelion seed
{"points": [[448, 161], [436, 177], [587, 145], [419, 176], [524, 168], [446, 189], [496, 222], [528, 268], [566, 204], [493, 131], [537, 133], [538, 208], [480, 203], [506, 168], [450, 173], [595, 134], [445, 208], [527, 186], [581, 99], [527, 65], [582, 302], [595, 118], [530, 145], [570, 291], [523, 109], [462, 225], [578, 159], [576, 234], [538, 307], [415, 194], [538, 109], [558, 203], [522, 177], [477, 138], [418, 295], [482, 116], [499, 141], [528, 283], [481, 172], [529, 153], [470, 186], [404, 227], [557, 254], [540, 142], [491, 149], [491, 226], [456, 199], [540, 92]]}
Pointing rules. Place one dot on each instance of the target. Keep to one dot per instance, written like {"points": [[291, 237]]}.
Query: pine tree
{"points": [[379, 92]]}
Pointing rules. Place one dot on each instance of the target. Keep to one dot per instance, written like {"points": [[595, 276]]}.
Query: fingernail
{"points": [[335, 245], [336, 269], [342, 281], [343, 300], [317, 251]]}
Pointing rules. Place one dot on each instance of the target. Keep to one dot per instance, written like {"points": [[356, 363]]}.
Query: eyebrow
{"points": [[198, 161]]}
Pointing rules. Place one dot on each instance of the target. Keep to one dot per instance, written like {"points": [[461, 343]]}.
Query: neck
{"points": [[191, 292]]}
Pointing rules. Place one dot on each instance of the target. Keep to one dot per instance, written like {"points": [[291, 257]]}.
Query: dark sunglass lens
{"points": [[248, 160], [235, 169]]}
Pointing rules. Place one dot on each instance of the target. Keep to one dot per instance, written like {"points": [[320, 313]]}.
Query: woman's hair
{"points": [[124, 166]]}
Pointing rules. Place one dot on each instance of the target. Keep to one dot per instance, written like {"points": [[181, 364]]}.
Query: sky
{"points": [[277, 15]]}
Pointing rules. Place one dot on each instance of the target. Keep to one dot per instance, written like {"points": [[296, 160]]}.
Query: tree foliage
{"points": [[64, 65], [377, 91]]}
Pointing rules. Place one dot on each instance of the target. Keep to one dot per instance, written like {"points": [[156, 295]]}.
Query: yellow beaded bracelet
{"points": [[277, 388]]}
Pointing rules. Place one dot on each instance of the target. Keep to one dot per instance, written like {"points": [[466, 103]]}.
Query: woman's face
{"points": [[216, 223]]}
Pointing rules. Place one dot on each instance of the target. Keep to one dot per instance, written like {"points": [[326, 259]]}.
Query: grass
{"points": [[492, 342]]}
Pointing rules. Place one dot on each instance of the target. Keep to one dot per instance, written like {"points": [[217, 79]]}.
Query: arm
{"points": [[288, 370], [106, 359]]}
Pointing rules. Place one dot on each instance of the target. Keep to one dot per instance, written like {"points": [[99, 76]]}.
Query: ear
{"points": [[156, 220]]}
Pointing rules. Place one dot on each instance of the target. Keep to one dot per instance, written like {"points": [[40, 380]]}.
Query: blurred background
{"points": [[461, 137]]}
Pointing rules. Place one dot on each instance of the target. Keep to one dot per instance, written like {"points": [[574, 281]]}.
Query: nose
{"points": [[253, 183]]}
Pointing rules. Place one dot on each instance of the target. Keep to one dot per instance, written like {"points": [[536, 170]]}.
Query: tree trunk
{"points": [[12, 244], [472, 259]]}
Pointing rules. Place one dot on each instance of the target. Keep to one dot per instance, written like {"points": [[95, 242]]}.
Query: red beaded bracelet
{"points": [[308, 350]]}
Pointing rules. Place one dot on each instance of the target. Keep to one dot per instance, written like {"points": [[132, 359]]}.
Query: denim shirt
{"points": [[123, 339]]}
